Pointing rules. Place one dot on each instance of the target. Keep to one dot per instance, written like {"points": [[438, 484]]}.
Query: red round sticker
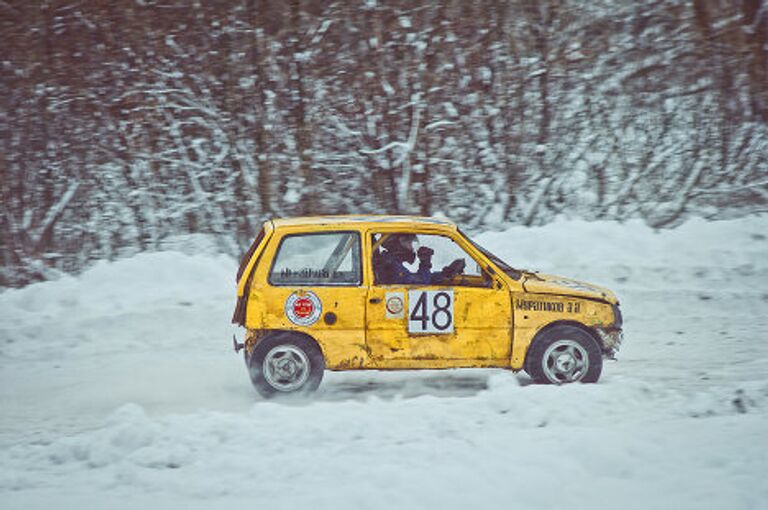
{"points": [[303, 307]]}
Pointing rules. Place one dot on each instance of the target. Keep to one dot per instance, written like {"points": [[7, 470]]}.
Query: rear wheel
{"points": [[286, 364], [564, 354]]}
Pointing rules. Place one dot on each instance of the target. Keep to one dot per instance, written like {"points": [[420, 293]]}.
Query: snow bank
{"points": [[533, 446], [611, 252], [507, 442], [128, 304]]}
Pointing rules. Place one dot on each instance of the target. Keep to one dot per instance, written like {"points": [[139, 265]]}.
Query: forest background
{"points": [[124, 125]]}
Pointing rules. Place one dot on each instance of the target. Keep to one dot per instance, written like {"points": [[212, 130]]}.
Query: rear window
{"points": [[318, 259]]}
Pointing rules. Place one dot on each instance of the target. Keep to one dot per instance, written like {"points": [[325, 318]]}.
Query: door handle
{"points": [[375, 300]]}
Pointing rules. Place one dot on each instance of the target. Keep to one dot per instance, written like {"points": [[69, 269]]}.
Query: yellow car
{"points": [[402, 292]]}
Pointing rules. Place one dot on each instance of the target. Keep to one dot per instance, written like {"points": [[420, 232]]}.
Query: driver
{"points": [[389, 266]]}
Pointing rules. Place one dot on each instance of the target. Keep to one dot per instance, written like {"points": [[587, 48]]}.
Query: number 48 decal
{"points": [[430, 311]]}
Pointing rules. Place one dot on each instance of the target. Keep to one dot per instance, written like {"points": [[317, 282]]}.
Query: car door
{"points": [[315, 285], [462, 321]]}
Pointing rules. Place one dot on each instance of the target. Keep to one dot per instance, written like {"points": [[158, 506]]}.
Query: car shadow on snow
{"points": [[390, 385]]}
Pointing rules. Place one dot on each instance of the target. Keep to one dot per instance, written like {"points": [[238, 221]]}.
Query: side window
{"points": [[318, 259], [446, 251], [423, 259]]}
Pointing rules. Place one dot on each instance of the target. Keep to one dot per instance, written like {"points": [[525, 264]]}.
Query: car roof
{"points": [[362, 220]]}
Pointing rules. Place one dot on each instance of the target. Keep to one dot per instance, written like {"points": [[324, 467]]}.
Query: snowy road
{"points": [[118, 389]]}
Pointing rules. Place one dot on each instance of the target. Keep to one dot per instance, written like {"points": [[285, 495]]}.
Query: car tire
{"points": [[562, 355], [286, 364]]}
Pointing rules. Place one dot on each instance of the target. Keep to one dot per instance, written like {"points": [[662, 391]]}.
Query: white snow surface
{"points": [[119, 389]]}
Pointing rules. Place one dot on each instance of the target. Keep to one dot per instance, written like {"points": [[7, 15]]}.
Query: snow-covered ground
{"points": [[119, 389]]}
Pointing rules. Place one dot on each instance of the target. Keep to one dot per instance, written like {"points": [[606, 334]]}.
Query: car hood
{"points": [[551, 284]]}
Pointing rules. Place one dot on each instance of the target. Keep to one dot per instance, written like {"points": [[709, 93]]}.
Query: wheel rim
{"points": [[286, 367], [565, 361]]}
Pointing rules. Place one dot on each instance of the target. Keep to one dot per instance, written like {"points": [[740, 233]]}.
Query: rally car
{"points": [[345, 293]]}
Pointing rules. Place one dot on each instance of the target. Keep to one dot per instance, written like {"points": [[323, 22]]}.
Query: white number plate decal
{"points": [[430, 311]]}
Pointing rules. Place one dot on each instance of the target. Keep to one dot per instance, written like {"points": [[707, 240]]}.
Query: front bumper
{"points": [[610, 340]]}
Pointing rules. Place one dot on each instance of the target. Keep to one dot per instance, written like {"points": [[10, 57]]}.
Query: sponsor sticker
{"points": [[395, 305], [303, 308], [548, 306]]}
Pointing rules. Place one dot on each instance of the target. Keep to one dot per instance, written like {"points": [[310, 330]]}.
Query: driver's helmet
{"points": [[401, 246]]}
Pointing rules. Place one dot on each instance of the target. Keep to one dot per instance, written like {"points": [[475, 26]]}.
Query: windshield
{"points": [[511, 271]]}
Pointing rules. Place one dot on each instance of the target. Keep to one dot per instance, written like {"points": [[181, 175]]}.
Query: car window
{"points": [[399, 263], [318, 259]]}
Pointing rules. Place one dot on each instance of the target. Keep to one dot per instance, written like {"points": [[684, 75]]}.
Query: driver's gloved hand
{"points": [[425, 254], [454, 268]]}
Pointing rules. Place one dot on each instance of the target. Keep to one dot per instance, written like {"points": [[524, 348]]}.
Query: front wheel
{"points": [[286, 364], [563, 355]]}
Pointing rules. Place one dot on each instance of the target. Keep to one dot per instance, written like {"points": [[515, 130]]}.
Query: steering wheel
{"points": [[455, 268]]}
